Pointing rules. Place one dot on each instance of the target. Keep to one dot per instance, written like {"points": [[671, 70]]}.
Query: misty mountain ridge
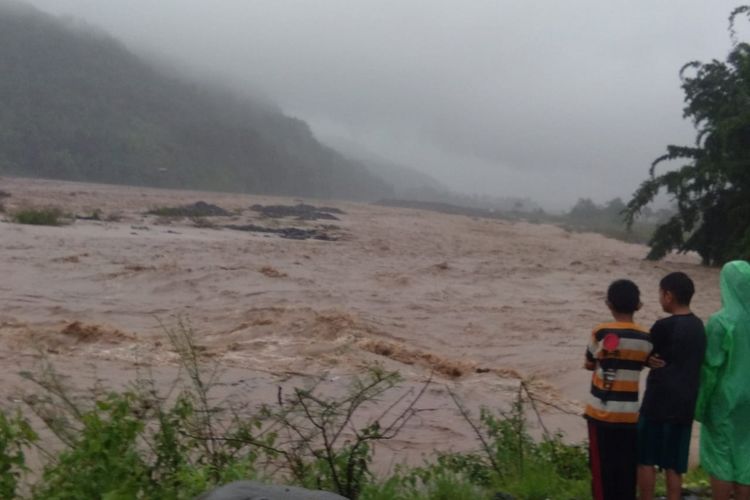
{"points": [[403, 178], [76, 104], [416, 189]]}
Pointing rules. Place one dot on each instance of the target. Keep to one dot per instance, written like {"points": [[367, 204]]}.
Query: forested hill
{"points": [[76, 104]]}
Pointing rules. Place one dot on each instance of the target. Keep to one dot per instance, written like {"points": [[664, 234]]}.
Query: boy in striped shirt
{"points": [[616, 354]]}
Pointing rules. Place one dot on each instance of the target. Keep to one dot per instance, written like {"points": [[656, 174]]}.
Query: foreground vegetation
{"points": [[149, 442], [49, 216], [144, 443]]}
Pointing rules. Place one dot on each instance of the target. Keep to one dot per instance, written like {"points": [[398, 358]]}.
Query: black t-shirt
{"points": [[672, 391]]}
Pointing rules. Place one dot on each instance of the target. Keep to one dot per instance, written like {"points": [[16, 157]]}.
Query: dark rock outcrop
{"points": [[301, 211], [292, 233]]}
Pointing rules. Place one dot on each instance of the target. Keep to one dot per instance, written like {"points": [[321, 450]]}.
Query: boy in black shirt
{"points": [[668, 406]]}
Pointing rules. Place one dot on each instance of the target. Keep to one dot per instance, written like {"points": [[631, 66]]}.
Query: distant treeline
{"points": [[446, 208], [76, 104], [607, 219]]}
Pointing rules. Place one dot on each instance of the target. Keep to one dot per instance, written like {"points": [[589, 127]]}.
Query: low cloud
{"points": [[552, 100]]}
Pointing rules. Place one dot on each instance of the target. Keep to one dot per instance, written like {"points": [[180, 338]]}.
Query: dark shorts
{"points": [[612, 458], [664, 444]]}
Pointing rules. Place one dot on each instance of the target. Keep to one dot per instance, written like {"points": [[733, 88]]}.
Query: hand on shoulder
{"points": [[654, 361]]}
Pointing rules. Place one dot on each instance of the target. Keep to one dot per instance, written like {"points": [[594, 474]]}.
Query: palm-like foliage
{"points": [[711, 190]]}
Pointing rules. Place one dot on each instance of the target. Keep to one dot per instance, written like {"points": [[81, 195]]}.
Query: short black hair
{"points": [[624, 296], [680, 286]]}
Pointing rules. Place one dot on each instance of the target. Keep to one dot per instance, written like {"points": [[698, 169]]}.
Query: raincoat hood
{"points": [[735, 289]]}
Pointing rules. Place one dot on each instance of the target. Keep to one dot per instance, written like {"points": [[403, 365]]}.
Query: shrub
{"points": [[323, 448], [513, 462], [138, 443], [103, 460], [39, 216], [15, 435]]}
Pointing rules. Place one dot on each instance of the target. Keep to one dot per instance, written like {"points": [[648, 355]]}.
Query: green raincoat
{"points": [[724, 398]]}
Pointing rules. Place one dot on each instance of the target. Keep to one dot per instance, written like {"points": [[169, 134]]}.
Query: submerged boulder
{"points": [[253, 490]]}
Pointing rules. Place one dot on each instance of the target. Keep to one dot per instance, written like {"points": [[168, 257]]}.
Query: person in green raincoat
{"points": [[724, 399]]}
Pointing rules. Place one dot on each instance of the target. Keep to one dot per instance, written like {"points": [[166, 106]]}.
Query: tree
{"points": [[614, 208], [583, 209], [712, 190]]}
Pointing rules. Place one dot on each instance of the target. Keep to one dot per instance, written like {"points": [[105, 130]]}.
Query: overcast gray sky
{"points": [[548, 99]]}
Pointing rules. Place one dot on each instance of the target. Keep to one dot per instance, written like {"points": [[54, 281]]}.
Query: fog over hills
{"points": [[403, 178], [552, 100], [414, 188], [78, 105]]}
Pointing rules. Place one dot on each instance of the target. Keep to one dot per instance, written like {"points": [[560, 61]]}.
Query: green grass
{"points": [[696, 481], [39, 216]]}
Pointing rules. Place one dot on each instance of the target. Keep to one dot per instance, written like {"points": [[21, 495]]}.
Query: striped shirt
{"points": [[618, 351]]}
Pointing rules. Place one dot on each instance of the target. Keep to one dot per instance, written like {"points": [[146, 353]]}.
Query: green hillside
{"points": [[76, 104]]}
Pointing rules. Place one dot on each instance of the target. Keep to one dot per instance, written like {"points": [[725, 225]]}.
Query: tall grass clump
{"points": [[3, 195], [15, 436], [509, 462], [50, 216]]}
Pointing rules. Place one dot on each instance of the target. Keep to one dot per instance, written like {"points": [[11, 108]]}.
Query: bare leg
{"points": [[674, 485], [721, 490], [646, 482], [741, 491]]}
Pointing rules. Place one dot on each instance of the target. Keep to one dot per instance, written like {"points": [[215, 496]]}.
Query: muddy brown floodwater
{"points": [[477, 304]]}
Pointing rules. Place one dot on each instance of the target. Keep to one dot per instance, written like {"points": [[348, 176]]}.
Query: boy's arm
{"points": [[653, 360]]}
